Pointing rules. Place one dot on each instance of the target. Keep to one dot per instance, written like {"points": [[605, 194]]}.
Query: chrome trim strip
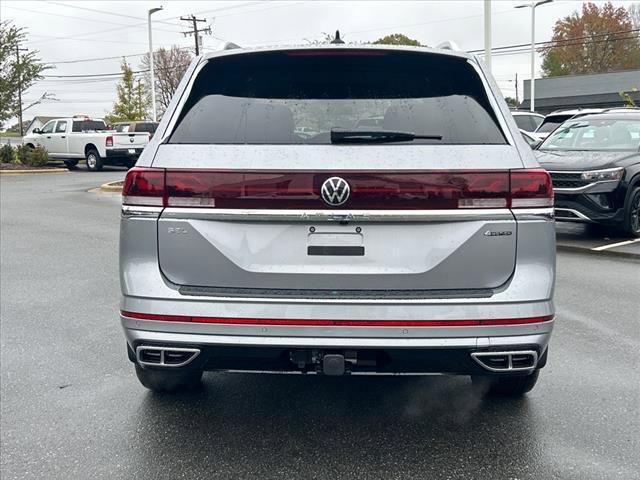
{"points": [[477, 356], [338, 215], [148, 212], [134, 335], [546, 213], [581, 216], [584, 188]]}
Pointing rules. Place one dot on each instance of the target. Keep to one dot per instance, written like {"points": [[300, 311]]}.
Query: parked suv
{"points": [[137, 126], [594, 161], [425, 245]]}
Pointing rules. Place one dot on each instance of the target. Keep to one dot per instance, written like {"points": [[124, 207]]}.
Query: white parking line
{"points": [[613, 245]]}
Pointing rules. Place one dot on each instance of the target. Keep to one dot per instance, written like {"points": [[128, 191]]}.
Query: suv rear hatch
{"points": [[253, 208]]}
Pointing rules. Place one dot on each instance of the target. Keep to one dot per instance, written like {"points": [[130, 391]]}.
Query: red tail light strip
{"points": [[337, 323], [382, 190]]}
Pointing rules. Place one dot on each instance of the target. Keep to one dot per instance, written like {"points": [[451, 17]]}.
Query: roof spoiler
{"points": [[229, 46], [449, 45]]}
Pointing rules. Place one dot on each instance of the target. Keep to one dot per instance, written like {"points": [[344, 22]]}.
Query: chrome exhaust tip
{"points": [[154, 356], [507, 361]]}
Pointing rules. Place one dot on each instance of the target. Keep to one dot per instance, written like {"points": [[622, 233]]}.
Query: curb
{"points": [[109, 187], [33, 172], [610, 253]]}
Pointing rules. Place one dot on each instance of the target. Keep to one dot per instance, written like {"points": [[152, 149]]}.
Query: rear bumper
{"points": [[128, 153], [426, 355], [379, 349]]}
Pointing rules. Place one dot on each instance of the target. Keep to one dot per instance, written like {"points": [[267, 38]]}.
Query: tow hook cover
{"points": [[333, 364]]}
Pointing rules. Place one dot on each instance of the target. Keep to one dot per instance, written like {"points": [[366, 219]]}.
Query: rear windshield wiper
{"points": [[340, 135]]}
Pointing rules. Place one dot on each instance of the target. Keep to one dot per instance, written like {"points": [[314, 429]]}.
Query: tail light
{"points": [[109, 141], [531, 188], [433, 190]]}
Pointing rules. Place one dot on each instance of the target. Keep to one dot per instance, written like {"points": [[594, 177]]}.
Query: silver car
{"points": [[423, 246]]}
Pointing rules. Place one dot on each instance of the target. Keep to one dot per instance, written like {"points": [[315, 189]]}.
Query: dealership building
{"points": [[583, 91]]}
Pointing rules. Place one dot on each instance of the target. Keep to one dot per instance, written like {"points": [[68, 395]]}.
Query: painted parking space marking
{"points": [[613, 245]]}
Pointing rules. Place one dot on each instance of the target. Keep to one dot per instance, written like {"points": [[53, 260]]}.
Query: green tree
{"points": [[598, 39], [15, 74], [133, 101], [512, 102], [397, 39]]}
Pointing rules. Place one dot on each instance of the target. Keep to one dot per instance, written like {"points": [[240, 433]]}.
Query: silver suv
{"points": [[422, 244]]}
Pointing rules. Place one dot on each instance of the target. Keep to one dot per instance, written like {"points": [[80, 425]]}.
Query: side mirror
{"points": [[36, 130]]}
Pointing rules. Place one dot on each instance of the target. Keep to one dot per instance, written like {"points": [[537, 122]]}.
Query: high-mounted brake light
{"points": [[109, 141], [376, 190]]}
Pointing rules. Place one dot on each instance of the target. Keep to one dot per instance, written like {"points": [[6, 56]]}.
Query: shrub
{"points": [[7, 154], [22, 153], [37, 157]]}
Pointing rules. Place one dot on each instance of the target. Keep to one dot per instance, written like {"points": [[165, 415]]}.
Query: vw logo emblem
{"points": [[335, 191]]}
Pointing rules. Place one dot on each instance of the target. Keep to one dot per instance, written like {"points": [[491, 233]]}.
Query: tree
{"points": [[169, 66], [597, 40], [133, 100], [512, 102], [397, 39], [15, 75]]}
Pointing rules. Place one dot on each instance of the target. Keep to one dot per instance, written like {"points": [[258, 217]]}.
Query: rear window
{"points": [[551, 123], [121, 127], [146, 127], [297, 97], [88, 125], [525, 122]]}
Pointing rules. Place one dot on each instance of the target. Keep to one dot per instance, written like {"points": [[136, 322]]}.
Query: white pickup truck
{"points": [[74, 138]]}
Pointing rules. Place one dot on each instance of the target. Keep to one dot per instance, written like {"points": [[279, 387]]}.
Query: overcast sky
{"points": [[64, 31]]}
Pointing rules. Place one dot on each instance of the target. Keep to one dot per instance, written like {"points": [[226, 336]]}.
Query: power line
{"points": [[85, 18]]}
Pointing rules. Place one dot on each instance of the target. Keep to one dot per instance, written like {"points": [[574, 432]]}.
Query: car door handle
{"points": [[63, 136], [48, 136]]}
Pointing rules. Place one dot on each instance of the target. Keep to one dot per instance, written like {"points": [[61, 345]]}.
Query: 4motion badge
{"points": [[503, 233]]}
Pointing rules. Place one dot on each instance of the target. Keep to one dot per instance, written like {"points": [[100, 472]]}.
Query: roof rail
{"points": [[618, 109]]}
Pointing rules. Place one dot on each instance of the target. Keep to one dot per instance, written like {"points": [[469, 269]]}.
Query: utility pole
{"points": [[151, 71], [18, 50], [487, 33], [195, 32], [517, 98], [533, 6]]}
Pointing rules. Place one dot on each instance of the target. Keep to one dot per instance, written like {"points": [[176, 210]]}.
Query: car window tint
{"points": [[594, 134], [48, 128], [524, 122], [61, 126], [299, 96]]}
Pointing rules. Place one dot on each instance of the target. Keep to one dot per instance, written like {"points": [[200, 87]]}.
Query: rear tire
{"points": [[71, 164], [94, 162], [168, 381], [506, 386], [631, 222]]}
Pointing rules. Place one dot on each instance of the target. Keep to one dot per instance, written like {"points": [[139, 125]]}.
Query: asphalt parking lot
{"points": [[71, 406]]}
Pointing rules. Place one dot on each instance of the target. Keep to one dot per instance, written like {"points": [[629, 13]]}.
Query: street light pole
{"points": [[151, 71], [533, 6], [487, 33]]}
